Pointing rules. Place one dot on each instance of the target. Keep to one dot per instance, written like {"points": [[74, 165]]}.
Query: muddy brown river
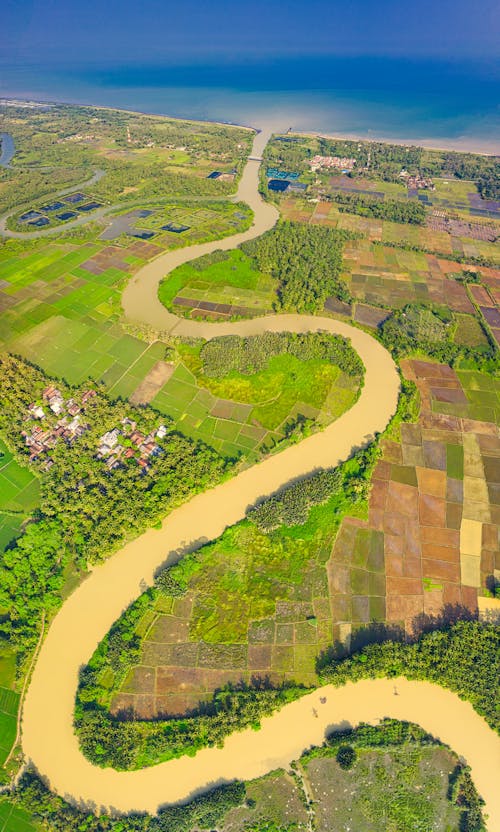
{"points": [[48, 736]]}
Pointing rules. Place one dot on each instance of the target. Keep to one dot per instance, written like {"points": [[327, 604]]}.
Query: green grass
{"points": [[257, 407], [15, 818], [9, 703], [483, 393], [455, 461], [399, 789], [231, 281], [469, 332]]}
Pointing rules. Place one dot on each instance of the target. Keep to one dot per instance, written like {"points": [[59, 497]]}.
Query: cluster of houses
{"points": [[338, 162], [417, 182], [77, 137], [120, 444], [41, 436]]}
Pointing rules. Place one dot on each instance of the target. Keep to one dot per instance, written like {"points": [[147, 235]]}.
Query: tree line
{"points": [[248, 355], [291, 506], [411, 212], [462, 656]]}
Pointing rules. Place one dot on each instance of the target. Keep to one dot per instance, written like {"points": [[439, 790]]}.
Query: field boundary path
{"points": [[48, 736]]}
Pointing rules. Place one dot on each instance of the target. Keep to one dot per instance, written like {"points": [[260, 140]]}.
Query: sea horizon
{"points": [[441, 105]]}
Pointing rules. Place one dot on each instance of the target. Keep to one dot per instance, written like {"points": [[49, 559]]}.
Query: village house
{"points": [[36, 411], [87, 395], [72, 407], [111, 449], [54, 399], [417, 182]]}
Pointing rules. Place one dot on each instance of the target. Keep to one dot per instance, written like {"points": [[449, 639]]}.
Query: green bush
{"points": [[346, 756]]}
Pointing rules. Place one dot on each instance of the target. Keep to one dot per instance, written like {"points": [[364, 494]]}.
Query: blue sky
{"points": [[162, 31]]}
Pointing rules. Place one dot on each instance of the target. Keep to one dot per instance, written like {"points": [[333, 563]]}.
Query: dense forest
{"points": [[305, 260], [86, 510]]}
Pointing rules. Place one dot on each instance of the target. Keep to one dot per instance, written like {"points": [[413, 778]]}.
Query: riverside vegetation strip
{"points": [[393, 769]]}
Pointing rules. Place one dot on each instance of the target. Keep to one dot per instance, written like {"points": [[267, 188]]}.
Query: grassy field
{"points": [[15, 818], [232, 281], [19, 495], [241, 413], [394, 789]]}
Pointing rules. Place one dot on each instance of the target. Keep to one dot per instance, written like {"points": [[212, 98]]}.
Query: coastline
{"points": [[460, 145], [482, 147]]}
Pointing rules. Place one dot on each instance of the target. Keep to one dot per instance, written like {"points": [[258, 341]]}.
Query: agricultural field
{"points": [[218, 288], [256, 606], [434, 502], [15, 818], [60, 298], [19, 495], [385, 231], [251, 414], [267, 604], [9, 703]]}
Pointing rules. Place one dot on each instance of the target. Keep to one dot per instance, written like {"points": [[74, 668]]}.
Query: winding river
{"points": [[48, 738]]}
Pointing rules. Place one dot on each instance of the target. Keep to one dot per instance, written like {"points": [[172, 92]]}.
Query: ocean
{"points": [[454, 104]]}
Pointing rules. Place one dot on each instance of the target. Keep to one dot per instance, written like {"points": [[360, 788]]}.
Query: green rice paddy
{"points": [[19, 495], [15, 818], [9, 703], [232, 281], [483, 394]]}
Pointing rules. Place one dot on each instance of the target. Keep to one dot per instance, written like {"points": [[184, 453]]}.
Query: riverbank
{"points": [[48, 737], [7, 149]]}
